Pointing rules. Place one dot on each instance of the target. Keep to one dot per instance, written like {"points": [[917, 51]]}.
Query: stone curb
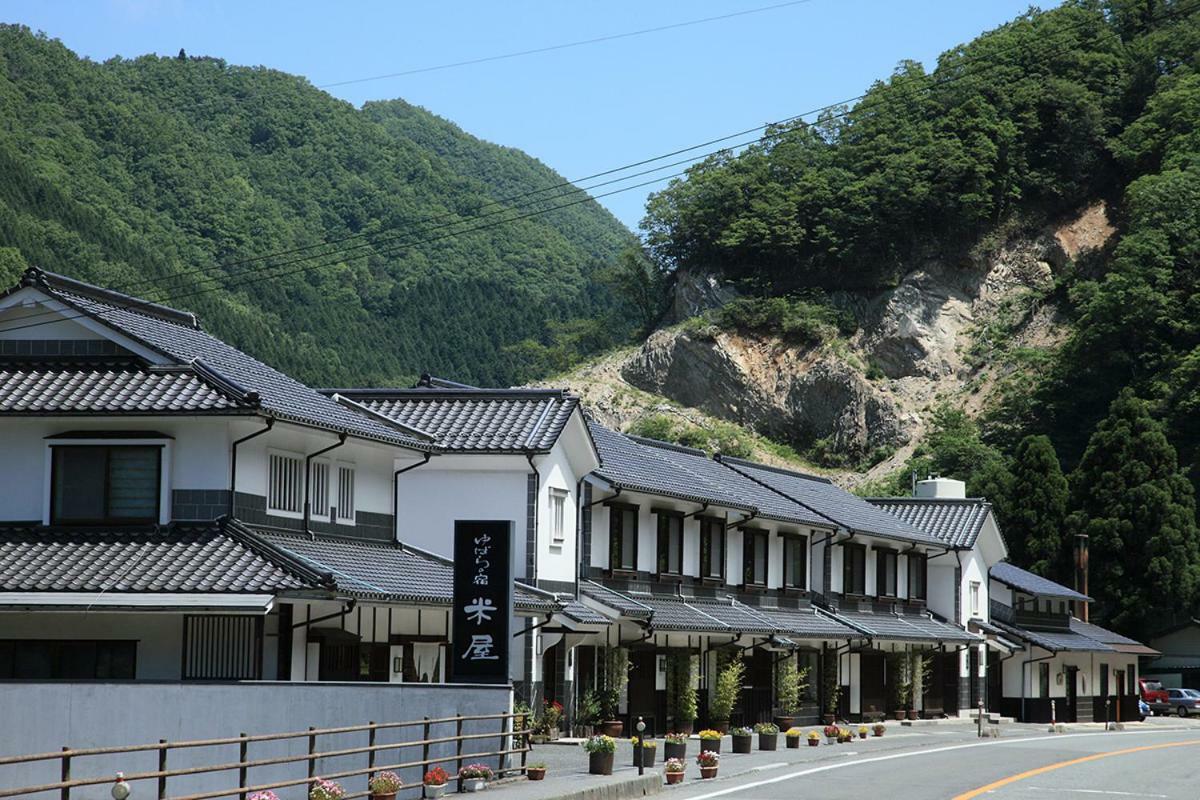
{"points": [[623, 789]]}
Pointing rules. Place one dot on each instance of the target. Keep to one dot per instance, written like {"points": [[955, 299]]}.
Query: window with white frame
{"points": [[973, 598], [558, 516], [285, 482], [318, 492], [345, 492]]}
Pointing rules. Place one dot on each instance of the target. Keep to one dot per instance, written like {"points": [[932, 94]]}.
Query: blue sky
{"points": [[581, 110]]}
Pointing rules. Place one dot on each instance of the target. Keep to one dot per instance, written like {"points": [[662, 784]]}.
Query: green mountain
{"points": [[132, 171]]}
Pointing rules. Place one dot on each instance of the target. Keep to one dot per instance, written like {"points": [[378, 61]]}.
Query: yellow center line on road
{"points": [[1061, 764]]}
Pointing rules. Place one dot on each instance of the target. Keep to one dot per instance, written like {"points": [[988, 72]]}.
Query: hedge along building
{"points": [[176, 510], [691, 555]]}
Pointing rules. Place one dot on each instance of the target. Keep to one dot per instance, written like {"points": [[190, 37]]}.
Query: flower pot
{"points": [[710, 745], [768, 741], [743, 744], [675, 750], [862, 735], [674, 778], [647, 757], [783, 723], [912, 713], [722, 727], [428, 791], [813, 742], [474, 784], [898, 714], [536, 773], [388, 795], [793, 742], [600, 763], [684, 727], [708, 772], [878, 733], [832, 739], [612, 727]]}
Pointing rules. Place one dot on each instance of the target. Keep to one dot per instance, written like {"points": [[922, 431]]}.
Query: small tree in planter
{"points": [[384, 785], [743, 739], [725, 696], [649, 748], [900, 678], [475, 777], [768, 735], [536, 771], [682, 703], [587, 715], [674, 770], [322, 789], [789, 687], [922, 679], [616, 677], [793, 737], [831, 688], [708, 761], [676, 746], [710, 741], [814, 738], [434, 783], [600, 750]]}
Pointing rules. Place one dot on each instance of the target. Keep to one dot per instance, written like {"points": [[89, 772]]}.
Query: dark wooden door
{"points": [[643, 696], [872, 671], [949, 683], [1072, 702], [995, 682]]}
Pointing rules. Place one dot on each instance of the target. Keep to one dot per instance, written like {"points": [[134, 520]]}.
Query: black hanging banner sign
{"points": [[483, 591]]}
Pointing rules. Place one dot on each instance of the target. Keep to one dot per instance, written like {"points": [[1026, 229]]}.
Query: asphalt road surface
{"points": [[1076, 766]]}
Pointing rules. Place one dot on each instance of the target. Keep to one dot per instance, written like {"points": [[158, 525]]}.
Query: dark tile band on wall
{"points": [[585, 529], [531, 486], [60, 347], [252, 509], [199, 504]]}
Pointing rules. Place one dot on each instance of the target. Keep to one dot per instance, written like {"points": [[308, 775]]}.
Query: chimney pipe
{"points": [[1081, 574]]}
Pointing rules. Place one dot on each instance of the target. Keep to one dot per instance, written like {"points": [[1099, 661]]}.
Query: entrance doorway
{"points": [[643, 691], [1072, 703]]}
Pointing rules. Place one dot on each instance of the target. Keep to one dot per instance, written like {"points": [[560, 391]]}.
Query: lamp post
{"points": [[120, 789], [641, 746]]}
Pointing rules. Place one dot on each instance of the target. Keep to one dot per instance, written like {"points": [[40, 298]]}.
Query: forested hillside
{"points": [[1093, 107], [128, 172]]}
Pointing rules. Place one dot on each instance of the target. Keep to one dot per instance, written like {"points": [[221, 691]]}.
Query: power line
{"points": [[565, 46]]}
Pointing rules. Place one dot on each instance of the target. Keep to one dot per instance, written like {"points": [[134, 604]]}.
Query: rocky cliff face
{"points": [[934, 337]]}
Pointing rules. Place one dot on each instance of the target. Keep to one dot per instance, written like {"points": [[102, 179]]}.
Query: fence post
{"points": [[65, 793], [458, 732], [243, 771], [371, 752], [425, 747], [312, 749], [162, 768], [524, 741], [505, 743]]}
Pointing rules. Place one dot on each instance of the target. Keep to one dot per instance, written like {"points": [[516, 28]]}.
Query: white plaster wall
{"points": [[556, 562], [941, 589], [974, 568], [159, 636]]}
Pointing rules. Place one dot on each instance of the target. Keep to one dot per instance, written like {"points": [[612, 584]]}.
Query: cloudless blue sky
{"points": [[580, 110]]}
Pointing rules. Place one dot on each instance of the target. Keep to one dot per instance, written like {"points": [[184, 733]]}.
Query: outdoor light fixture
{"points": [[120, 789], [641, 746]]}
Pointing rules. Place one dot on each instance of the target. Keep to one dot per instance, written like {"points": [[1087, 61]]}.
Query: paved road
{"points": [[1084, 766]]}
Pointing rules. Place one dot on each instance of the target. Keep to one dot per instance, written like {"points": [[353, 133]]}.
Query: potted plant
{"points": [[814, 738], [434, 783], [831, 733], [616, 676], [536, 771], [475, 776], [600, 749], [768, 735], [793, 737], [676, 746], [587, 715], [789, 686], [831, 688], [879, 729], [322, 789], [674, 770], [845, 735], [649, 748], [385, 785], [725, 696], [710, 741], [900, 678], [743, 739], [708, 762], [862, 731], [682, 702]]}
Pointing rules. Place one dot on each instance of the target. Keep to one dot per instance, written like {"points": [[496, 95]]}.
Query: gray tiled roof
{"points": [[830, 501], [640, 468], [1025, 581], [615, 600], [956, 522], [806, 623], [44, 389], [1113, 639], [176, 335], [582, 612], [475, 420], [767, 503], [178, 558], [1055, 640], [904, 627], [386, 571]]}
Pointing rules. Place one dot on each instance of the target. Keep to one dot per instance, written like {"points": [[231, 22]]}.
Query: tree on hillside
{"points": [[640, 285], [1138, 511], [1035, 511]]}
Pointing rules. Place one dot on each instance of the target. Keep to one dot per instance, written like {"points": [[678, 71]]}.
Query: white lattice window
{"points": [[558, 516], [345, 493], [285, 483], [318, 492]]}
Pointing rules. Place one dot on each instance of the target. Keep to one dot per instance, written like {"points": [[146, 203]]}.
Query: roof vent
{"points": [[941, 488]]}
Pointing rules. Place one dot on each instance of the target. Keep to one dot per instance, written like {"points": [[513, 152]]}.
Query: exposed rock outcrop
{"points": [[696, 293]]}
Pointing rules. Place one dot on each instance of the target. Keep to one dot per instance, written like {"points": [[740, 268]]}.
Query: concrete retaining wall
{"points": [[44, 717]]}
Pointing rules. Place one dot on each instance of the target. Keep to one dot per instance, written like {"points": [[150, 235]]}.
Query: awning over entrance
{"points": [[905, 627], [191, 603], [1054, 640]]}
